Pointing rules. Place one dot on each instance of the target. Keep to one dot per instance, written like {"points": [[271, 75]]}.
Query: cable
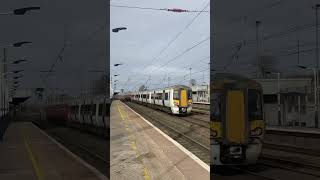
{"points": [[157, 9], [184, 52], [59, 56], [257, 11], [177, 35], [174, 39]]}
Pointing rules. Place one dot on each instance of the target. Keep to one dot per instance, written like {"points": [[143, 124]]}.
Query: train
{"points": [[237, 124], [174, 99], [91, 111]]}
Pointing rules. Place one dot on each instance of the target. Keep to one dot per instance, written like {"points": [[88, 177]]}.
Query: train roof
{"points": [[220, 79], [170, 87]]}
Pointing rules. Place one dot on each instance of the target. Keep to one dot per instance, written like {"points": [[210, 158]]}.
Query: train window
{"points": [[94, 108], [189, 94], [216, 106], [166, 96], [176, 95], [254, 105], [100, 110]]}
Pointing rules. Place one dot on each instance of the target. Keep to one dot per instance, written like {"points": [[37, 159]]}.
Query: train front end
{"points": [[182, 100], [237, 123]]}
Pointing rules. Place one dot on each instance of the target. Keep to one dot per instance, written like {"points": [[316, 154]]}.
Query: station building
{"points": [[296, 99], [201, 93]]}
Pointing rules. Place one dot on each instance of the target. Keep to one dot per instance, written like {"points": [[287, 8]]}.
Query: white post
{"points": [[315, 83], [279, 102], [299, 107]]}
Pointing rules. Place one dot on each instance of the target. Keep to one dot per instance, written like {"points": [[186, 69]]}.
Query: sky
{"points": [[83, 26], [283, 24], [143, 47]]}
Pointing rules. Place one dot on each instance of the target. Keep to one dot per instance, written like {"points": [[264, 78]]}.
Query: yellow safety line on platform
{"points": [[133, 141], [35, 164], [146, 174]]}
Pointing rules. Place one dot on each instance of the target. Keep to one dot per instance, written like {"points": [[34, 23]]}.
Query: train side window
{"points": [[160, 96], [100, 110], [216, 106], [176, 95], [94, 108], [254, 105]]}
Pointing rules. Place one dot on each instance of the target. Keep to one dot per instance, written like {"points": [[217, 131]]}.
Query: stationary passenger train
{"points": [[237, 120], [175, 99]]}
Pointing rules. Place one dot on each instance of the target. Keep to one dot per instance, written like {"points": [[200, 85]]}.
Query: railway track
{"points": [[301, 165], [202, 151], [198, 121], [234, 172], [290, 165], [82, 147]]}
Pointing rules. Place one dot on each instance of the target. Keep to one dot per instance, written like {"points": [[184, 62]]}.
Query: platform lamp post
{"points": [[19, 11], [278, 95], [3, 65], [317, 59], [315, 84]]}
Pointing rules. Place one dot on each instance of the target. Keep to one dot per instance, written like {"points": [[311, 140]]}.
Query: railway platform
{"points": [[29, 153], [139, 150], [294, 129]]}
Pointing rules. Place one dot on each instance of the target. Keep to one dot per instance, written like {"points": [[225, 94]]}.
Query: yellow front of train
{"points": [[182, 100], [237, 124]]}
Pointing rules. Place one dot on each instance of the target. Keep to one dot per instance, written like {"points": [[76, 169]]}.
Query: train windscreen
{"points": [[254, 105]]}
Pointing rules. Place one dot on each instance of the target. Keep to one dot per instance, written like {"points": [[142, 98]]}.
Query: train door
{"points": [[235, 117], [167, 99], [154, 97], [163, 97], [183, 98]]}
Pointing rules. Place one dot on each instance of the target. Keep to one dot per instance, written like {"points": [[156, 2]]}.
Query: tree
{"points": [[193, 82], [142, 88]]}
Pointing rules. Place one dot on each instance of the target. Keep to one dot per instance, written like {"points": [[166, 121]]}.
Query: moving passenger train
{"points": [[237, 120], [92, 111], [175, 99]]}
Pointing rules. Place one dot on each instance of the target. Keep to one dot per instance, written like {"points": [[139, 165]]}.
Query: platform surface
{"points": [[295, 129], [28, 153], [139, 151]]}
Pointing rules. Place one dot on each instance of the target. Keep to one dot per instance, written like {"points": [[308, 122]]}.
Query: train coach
{"points": [[58, 113], [237, 120], [175, 99], [91, 111]]}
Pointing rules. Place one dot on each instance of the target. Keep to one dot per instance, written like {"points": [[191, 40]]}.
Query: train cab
{"points": [[237, 121]]}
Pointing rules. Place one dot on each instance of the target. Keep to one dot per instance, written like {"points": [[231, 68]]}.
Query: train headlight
{"points": [[176, 103], [256, 132]]}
